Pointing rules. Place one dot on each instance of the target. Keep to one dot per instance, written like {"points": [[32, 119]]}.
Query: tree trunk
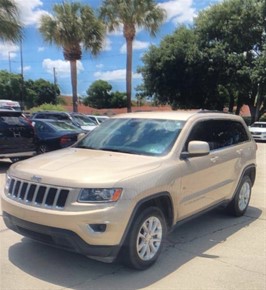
{"points": [[129, 73], [73, 72]]}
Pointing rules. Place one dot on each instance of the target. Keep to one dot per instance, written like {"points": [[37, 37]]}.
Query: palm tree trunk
{"points": [[73, 72], [129, 73]]}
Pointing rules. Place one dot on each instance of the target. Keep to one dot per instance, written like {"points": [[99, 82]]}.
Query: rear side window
{"points": [[219, 133]]}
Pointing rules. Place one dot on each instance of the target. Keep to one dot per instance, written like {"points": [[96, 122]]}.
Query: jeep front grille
{"points": [[37, 195]]}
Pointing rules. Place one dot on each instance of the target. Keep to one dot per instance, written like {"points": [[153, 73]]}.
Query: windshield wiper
{"points": [[120, 150]]}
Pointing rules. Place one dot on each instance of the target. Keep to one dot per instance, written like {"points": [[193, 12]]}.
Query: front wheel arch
{"points": [[163, 202], [144, 241]]}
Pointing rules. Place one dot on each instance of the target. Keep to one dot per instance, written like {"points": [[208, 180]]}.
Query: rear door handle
{"points": [[239, 151]]}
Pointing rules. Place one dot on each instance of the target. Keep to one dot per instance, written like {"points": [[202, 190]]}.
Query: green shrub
{"points": [[47, 107], [263, 118]]}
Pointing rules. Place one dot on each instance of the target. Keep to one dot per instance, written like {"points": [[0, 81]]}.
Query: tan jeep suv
{"points": [[120, 189]]}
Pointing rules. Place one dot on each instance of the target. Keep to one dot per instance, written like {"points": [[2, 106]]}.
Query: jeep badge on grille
{"points": [[36, 178]]}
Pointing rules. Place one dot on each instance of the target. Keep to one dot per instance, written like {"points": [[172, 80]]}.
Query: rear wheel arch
{"points": [[247, 179], [251, 172]]}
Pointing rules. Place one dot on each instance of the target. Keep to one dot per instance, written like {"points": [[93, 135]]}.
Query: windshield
{"points": [[84, 121], [60, 125], [259, 125], [101, 119], [134, 136]]}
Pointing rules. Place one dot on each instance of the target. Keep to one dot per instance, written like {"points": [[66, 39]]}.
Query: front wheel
{"points": [[240, 202], [145, 240], [16, 159]]}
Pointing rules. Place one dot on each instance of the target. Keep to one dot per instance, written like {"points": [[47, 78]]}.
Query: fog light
{"points": [[98, 228]]}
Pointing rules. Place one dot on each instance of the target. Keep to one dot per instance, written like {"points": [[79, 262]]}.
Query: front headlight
{"points": [[99, 194], [8, 181]]}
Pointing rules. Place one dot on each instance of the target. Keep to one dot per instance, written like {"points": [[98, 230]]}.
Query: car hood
{"points": [[76, 167]]}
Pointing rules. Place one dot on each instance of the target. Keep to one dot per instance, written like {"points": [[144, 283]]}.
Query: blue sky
{"points": [[41, 60]]}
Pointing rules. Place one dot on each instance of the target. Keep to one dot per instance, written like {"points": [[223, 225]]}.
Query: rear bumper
{"points": [[60, 238]]}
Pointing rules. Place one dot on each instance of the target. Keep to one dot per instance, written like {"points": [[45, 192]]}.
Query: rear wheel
{"points": [[240, 202], [145, 240], [43, 148]]}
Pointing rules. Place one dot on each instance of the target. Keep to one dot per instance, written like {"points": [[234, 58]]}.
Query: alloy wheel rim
{"points": [[149, 238], [43, 149], [244, 196]]}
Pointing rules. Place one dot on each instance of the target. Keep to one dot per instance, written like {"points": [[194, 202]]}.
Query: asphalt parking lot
{"points": [[214, 251]]}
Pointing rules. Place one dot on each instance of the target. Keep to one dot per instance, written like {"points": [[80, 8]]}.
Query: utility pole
{"points": [[55, 81], [9, 61], [22, 77]]}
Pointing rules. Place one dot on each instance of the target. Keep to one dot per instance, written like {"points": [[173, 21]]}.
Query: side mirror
{"points": [[196, 149]]}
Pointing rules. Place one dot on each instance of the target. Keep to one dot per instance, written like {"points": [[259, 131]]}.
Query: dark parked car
{"points": [[79, 120], [55, 134], [17, 138]]}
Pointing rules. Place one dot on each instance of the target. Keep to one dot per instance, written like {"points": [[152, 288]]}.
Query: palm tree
{"points": [[10, 27], [131, 14], [74, 26]]}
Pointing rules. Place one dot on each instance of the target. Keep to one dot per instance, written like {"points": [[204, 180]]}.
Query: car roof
{"points": [[177, 115], [10, 112], [48, 120], [50, 112]]}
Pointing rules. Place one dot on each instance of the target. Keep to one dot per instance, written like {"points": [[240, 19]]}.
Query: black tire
{"points": [[43, 148], [240, 202], [145, 239], [16, 159]]}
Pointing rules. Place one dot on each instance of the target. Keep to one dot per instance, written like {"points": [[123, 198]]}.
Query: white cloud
{"points": [[179, 11], [137, 45], [30, 11], [26, 68], [119, 74], [41, 49], [100, 65], [8, 50], [62, 67]]}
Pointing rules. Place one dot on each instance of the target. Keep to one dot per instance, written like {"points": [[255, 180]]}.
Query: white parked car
{"points": [[258, 130], [98, 119]]}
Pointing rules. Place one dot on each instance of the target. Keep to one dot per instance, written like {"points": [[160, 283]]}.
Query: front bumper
{"points": [[60, 238], [259, 137]]}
